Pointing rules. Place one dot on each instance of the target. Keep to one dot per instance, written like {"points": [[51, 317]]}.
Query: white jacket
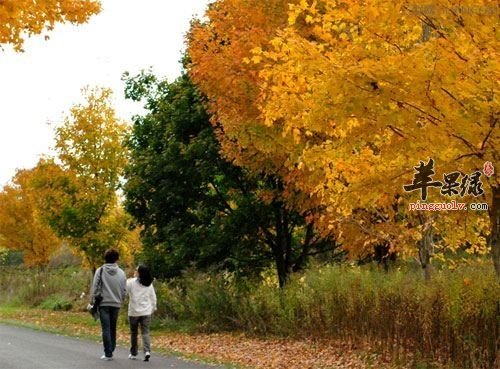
{"points": [[142, 299]]}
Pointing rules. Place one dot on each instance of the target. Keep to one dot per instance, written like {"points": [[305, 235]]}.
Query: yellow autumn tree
{"points": [[231, 39], [79, 196], [376, 89], [21, 226], [347, 98], [23, 18], [221, 43]]}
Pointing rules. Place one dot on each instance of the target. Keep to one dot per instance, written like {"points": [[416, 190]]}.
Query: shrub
{"points": [[56, 302], [451, 319], [31, 287]]}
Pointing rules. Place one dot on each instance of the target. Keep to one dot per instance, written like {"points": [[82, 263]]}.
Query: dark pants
{"points": [[109, 317], [144, 322]]}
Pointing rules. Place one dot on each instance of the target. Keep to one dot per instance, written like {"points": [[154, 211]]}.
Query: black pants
{"points": [[109, 318]]}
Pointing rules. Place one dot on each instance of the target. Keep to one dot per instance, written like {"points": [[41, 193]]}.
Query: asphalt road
{"points": [[22, 348]]}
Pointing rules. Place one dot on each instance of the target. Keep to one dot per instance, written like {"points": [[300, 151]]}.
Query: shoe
{"points": [[132, 357], [106, 358], [147, 355]]}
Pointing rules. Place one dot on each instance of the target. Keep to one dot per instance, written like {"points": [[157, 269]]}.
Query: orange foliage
{"points": [[21, 227], [342, 100], [22, 18]]}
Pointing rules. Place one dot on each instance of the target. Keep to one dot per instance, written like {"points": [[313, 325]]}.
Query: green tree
{"points": [[196, 208]]}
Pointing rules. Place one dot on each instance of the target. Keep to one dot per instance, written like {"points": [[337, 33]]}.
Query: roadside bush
{"points": [[452, 319], [31, 286], [56, 303]]}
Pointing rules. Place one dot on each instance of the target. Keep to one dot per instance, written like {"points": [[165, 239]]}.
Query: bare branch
{"points": [[492, 126], [467, 143], [396, 130], [453, 97]]}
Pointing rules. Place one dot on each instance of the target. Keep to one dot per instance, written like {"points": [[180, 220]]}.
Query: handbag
{"points": [[93, 307]]}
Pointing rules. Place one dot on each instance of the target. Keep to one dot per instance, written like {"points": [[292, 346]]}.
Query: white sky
{"points": [[39, 86]]}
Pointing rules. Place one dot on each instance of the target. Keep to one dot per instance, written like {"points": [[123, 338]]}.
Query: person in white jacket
{"points": [[142, 304]]}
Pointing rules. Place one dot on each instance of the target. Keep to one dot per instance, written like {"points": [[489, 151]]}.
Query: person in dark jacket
{"points": [[112, 289]]}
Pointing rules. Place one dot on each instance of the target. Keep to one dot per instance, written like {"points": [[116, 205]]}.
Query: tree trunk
{"points": [[282, 274], [425, 249], [306, 245], [282, 249], [494, 237]]}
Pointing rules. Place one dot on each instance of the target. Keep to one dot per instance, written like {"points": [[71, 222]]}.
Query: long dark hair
{"points": [[144, 277]]}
